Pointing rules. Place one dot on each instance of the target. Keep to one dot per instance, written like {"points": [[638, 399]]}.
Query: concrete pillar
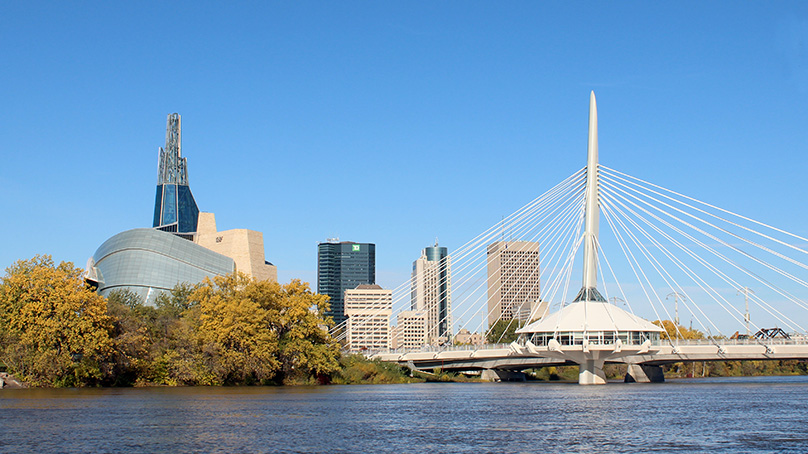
{"points": [[498, 375], [642, 373], [590, 372]]}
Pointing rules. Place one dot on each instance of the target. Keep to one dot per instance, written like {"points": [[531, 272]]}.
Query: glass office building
{"points": [[149, 261], [342, 266]]}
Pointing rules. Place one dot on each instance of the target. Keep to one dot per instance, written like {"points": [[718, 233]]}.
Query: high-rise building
{"points": [[368, 308], [175, 209], [409, 331], [343, 265], [431, 292], [513, 280]]}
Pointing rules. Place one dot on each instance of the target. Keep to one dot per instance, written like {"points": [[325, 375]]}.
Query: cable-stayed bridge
{"points": [[739, 283]]}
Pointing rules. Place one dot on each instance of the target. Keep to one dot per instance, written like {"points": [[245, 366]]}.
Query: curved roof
{"points": [[144, 260], [598, 316]]}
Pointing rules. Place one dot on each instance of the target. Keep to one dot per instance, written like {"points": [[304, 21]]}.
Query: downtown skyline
{"points": [[388, 124]]}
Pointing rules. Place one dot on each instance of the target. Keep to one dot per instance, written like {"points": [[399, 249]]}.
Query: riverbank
{"points": [[358, 370]]}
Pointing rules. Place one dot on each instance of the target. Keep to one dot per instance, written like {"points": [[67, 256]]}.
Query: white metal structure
{"points": [[590, 330], [667, 243]]}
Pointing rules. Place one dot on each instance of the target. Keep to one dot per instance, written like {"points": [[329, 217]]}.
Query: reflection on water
{"points": [[761, 414]]}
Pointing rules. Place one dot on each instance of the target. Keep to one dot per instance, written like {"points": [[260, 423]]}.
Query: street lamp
{"points": [[676, 297], [746, 291]]}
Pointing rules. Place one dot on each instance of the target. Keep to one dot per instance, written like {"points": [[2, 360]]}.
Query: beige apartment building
{"points": [[431, 290], [410, 331], [368, 308], [513, 280], [465, 337]]}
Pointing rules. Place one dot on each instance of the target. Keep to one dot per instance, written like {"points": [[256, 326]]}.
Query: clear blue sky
{"points": [[387, 122]]}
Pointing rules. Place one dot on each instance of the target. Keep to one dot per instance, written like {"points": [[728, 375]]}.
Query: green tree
{"points": [[175, 303], [503, 331], [56, 328], [133, 335]]}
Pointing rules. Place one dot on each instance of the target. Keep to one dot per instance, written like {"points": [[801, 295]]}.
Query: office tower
{"points": [[431, 292], [368, 308], [175, 209], [342, 266], [513, 280], [410, 329]]}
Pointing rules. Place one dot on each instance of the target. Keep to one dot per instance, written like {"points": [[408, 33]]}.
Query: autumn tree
{"points": [[298, 315], [234, 331], [259, 331], [56, 331], [672, 331]]}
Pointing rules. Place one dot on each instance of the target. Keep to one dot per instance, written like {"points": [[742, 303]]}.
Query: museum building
{"points": [[182, 247]]}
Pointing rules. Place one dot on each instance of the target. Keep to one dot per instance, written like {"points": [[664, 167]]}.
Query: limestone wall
{"points": [[245, 247]]}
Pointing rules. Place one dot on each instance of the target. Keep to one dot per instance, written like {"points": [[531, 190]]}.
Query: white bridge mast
{"points": [[590, 280], [589, 291]]}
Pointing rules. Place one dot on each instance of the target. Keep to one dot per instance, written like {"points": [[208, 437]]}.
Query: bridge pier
{"points": [[498, 375], [642, 373], [590, 372]]}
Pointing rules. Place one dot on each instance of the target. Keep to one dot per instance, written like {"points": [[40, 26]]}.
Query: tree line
{"points": [[231, 330]]}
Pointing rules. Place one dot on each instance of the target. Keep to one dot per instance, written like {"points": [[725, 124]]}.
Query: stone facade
{"points": [[245, 247]]}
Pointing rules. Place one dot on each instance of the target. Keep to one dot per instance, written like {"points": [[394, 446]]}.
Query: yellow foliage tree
{"points": [[259, 331], [680, 332], [306, 348], [234, 331], [56, 331]]}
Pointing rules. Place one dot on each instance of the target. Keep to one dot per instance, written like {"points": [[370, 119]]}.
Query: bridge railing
{"points": [[773, 341], [798, 340], [438, 349]]}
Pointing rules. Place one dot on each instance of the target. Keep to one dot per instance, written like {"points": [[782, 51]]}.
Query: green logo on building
{"points": [[356, 248]]}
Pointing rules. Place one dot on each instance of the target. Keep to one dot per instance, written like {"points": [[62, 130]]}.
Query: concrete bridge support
{"points": [[590, 372], [502, 375], [641, 373]]}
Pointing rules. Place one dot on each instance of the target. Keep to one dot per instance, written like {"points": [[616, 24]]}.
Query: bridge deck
{"points": [[506, 358]]}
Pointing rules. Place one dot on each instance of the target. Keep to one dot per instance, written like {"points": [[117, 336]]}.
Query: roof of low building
{"points": [[590, 316]]}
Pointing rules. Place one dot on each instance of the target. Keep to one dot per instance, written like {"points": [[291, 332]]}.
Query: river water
{"points": [[760, 414]]}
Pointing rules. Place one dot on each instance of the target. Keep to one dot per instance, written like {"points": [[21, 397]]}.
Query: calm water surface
{"points": [[762, 414]]}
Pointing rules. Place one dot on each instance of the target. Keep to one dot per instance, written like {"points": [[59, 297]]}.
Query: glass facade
{"points": [[595, 337], [149, 261], [175, 209], [343, 266]]}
